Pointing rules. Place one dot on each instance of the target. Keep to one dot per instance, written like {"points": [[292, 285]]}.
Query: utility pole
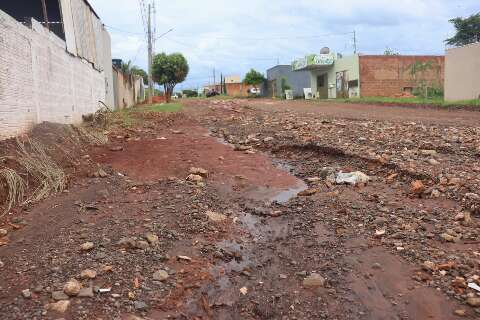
{"points": [[354, 42], [45, 15], [214, 83], [150, 56], [221, 83]]}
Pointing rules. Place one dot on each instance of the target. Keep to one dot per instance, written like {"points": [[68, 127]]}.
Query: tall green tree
{"points": [[169, 70], [127, 67], [140, 72], [254, 78], [468, 30]]}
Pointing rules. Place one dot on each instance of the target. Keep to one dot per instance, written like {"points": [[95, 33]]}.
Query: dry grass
{"points": [[14, 186], [47, 175], [35, 167]]}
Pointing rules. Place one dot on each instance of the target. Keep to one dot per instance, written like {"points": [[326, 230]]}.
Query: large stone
{"points": [[86, 292], [313, 281], [199, 171], [140, 305], [418, 187], [88, 274], [87, 246], [307, 193], [152, 238], [59, 295], [160, 275], [127, 243], [27, 294], [216, 217], [60, 306], [194, 178], [142, 245], [72, 287], [474, 301]]}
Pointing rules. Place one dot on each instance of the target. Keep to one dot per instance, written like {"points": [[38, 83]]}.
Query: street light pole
{"points": [[150, 57]]}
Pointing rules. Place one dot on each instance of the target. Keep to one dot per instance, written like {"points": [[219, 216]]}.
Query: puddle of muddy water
{"points": [[273, 195], [285, 195]]}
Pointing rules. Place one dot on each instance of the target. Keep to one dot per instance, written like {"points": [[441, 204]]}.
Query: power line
{"points": [[266, 38], [123, 31]]}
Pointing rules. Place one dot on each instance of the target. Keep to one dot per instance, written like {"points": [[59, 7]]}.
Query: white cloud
{"points": [[221, 34]]}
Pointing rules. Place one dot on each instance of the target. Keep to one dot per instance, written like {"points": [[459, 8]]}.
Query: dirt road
{"points": [[233, 209]]}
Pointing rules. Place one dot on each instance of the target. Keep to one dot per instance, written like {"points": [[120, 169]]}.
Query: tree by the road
{"points": [[169, 70], [254, 78], [140, 72], [468, 30]]}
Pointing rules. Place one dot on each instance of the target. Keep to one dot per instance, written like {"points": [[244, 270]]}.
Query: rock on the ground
{"points": [[86, 292], [142, 245], [88, 274], [417, 187], [160, 275], [314, 280], [199, 171], [87, 246], [60, 306], [72, 287], [59, 295], [474, 301], [127, 243], [140, 305], [216, 217], [152, 238], [194, 178], [27, 294], [352, 178], [307, 193], [3, 232]]}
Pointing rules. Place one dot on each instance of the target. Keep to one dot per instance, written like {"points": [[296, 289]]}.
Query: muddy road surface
{"points": [[258, 209]]}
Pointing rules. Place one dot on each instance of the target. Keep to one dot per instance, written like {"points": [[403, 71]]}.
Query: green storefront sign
{"points": [[313, 60]]}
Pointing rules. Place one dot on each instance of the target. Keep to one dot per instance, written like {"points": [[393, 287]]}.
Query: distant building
{"points": [[283, 75], [334, 76], [233, 79], [462, 73]]}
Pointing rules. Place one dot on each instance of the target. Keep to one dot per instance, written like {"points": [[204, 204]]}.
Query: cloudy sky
{"points": [[234, 36]]}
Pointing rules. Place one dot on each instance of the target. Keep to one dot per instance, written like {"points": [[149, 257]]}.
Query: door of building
{"points": [[342, 84], [322, 87]]}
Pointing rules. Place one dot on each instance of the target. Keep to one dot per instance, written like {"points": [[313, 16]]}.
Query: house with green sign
{"points": [[336, 76]]}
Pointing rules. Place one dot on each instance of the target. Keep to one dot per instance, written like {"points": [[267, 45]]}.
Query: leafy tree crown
{"points": [[468, 30], [253, 78]]}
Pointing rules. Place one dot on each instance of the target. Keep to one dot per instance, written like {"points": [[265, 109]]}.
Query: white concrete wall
{"points": [[40, 81], [462, 73]]}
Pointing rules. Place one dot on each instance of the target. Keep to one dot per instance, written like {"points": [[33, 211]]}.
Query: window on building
{"points": [[353, 83], [24, 10]]}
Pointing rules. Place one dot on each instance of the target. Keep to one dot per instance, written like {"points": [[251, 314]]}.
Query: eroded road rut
{"points": [[262, 235]]}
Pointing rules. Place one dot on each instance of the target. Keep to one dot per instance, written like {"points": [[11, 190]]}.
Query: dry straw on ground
{"points": [[14, 187], [35, 167]]}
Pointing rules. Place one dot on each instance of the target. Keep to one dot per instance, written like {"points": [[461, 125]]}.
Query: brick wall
{"points": [[389, 75], [239, 89], [40, 81]]}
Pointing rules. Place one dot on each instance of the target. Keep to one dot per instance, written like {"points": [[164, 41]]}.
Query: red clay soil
{"points": [[173, 154], [255, 257]]}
